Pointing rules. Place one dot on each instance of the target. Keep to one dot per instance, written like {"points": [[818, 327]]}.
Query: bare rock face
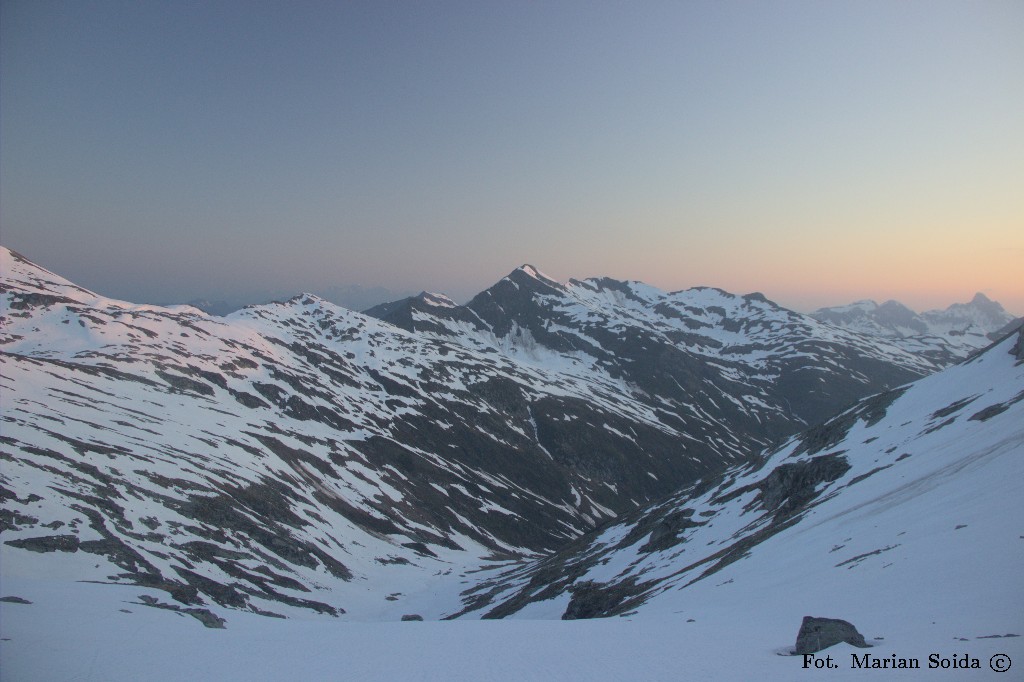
{"points": [[592, 599], [821, 633], [1018, 349]]}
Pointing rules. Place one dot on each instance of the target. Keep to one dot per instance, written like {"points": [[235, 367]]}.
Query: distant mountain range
{"points": [[353, 297], [676, 345], [299, 457], [962, 325]]}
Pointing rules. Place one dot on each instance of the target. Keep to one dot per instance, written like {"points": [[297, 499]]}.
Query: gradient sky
{"points": [[819, 152]]}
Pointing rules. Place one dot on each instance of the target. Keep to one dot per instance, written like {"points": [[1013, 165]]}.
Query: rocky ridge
{"points": [[860, 479], [298, 457]]}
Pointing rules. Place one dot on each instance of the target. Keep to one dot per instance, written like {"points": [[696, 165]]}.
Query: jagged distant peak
{"points": [[980, 302], [867, 305], [534, 273], [437, 300], [981, 298], [965, 325], [980, 305], [306, 298]]}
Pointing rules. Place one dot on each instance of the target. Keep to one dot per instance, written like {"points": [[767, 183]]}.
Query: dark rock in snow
{"points": [[412, 616], [48, 543], [596, 600], [821, 633], [790, 486], [205, 616], [666, 533], [1018, 348]]}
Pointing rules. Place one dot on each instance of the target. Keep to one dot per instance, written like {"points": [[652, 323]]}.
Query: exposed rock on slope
{"points": [[300, 457], [743, 359], [877, 490]]}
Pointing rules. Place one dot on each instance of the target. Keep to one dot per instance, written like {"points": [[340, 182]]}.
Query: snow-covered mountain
{"points": [[302, 455], [291, 454], [353, 297], [505, 427], [962, 327], [298, 459], [903, 514], [687, 349]]}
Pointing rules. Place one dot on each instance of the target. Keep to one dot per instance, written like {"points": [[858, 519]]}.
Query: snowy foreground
{"points": [[85, 638]]}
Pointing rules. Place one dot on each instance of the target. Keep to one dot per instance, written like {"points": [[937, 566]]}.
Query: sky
{"points": [[817, 152]]}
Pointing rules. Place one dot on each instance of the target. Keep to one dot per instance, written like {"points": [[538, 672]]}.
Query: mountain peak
{"points": [[991, 312], [436, 300], [756, 296], [528, 272], [306, 298]]}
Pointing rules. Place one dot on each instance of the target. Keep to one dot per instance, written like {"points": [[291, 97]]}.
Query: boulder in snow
{"points": [[821, 633]]}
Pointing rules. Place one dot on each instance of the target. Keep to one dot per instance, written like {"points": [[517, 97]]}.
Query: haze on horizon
{"points": [[819, 153]]}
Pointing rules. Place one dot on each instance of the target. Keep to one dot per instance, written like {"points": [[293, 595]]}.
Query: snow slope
{"points": [[73, 644], [902, 515], [296, 455]]}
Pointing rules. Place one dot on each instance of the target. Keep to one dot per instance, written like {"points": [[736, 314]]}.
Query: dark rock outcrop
{"points": [[821, 633], [665, 533], [48, 543], [1018, 349], [596, 600], [207, 617], [789, 487]]}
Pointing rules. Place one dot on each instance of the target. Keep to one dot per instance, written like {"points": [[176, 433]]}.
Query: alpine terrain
{"points": [[547, 451], [960, 329]]}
